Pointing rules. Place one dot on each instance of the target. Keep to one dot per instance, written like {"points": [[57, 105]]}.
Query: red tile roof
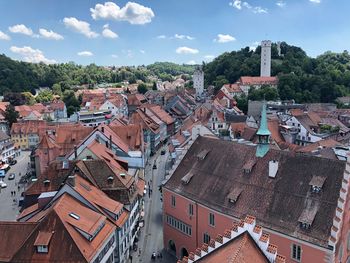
{"points": [[258, 80]]}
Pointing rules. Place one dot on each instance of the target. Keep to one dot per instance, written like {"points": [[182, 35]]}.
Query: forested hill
{"points": [[302, 78], [18, 76]]}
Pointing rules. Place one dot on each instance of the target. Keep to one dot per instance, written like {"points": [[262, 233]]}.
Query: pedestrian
{"points": [[161, 255], [139, 251], [19, 188], [149, 193], [11, 193], [14, 192]]}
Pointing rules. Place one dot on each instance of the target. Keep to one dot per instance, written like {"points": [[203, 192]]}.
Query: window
{"points": [[296, 252], [179, 225], [190, 209], [206, 238], [211, 219], [42, 249], [173, 201]]}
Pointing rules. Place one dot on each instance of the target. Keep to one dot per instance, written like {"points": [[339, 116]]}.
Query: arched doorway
{"points": [[184, 252], [172, 247]]}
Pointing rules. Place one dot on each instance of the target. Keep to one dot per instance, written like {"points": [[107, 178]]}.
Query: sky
{"points": [[181, 31]]}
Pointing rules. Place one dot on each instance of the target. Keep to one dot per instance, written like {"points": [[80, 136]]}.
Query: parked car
{"points": [[12, 176], [13, 162], [2, 184]]}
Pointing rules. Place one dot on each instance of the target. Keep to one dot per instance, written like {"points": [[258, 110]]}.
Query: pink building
{"points": [[300, 201]]}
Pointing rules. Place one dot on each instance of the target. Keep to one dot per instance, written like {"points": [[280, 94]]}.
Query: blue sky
{"points": [[181, 31]]}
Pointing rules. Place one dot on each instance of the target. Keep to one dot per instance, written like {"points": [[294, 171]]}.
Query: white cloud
{"points": [[161, 37], [254, 45], [31, 55], [186, 50], [4, 36], [281, 3], [238, 4], [183, 37], [209, 57], [50, 34], [85, 53], [142, 51], [21, 29], [132, 12], [191, 62], [108, 33], [221, 38], [78, 26], [315, 1], [259, 10], [128, 53], [114, 56]]}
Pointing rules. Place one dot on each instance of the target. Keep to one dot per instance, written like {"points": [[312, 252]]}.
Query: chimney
{"points": [[75, 152], [273, 168], [103, 129], [71, 180]]}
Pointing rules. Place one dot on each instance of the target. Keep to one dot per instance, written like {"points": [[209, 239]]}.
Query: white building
{"points": [[198, 82], [265, 67]]}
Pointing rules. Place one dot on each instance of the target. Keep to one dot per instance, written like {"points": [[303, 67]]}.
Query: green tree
{"points": [[56, 89], [30, 100], [72, 103], [142, 88], [45, 96], [11, 115]]}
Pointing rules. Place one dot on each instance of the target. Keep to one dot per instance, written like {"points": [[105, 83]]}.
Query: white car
{"points": [[2, 184]]}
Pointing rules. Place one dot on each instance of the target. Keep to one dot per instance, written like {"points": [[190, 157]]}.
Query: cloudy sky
{"points": [[181, 31]]}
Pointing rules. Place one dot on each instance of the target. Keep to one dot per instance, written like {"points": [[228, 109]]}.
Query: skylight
{"points": [[75, 216]]}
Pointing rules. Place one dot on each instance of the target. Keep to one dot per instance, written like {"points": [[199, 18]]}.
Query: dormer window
{"points": [[42, 242], [42, 249], [307, 216], [316, 183], [202, 154], [187, 178], [248, 166], [234, 195]]}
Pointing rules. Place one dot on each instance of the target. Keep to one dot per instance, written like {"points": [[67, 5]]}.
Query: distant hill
{"points": [[302, 78], [16, 76]]}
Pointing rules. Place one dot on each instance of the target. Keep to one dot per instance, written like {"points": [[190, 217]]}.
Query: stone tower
{"points": [[198, 81], [265, 67]]}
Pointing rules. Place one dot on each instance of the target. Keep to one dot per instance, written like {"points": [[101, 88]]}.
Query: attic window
{"points": [[187, 178], [65, 164], [42, 241], [248, 166], [42, 249], [202, 154], [110, 179], [307, 217], [46, 182], [234, 194], [75, 216], [316, 183]]}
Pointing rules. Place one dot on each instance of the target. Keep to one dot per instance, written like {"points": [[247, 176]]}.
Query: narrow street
{"points": [[151, 238], [8, 208]]}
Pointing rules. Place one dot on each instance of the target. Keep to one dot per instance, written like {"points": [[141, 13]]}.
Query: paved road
{"points": [[8, 209], [151, 238]]}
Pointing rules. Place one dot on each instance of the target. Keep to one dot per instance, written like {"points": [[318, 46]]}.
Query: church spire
{"points": [[263, 134]]}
